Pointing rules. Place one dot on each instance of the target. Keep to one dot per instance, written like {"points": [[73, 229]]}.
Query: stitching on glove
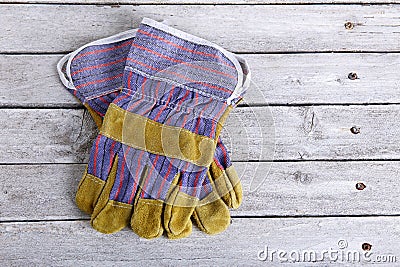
{"points": [[150, 203], [187, 197], [146, 149], [94, 179], [157, 101], [152, 122], [121, 206], [161, 102], [175, 83], [150, 150]]}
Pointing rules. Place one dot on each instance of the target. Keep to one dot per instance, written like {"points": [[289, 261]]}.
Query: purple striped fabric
{"points": [[97, 71], [99, 63], [156, 88], [97, 74], [131, 164]]}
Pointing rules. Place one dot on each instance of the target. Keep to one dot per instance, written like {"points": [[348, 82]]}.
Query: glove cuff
{"points": [[163, 53]]}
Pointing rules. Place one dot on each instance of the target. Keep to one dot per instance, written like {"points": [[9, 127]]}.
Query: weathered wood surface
{"points": [[265, 28], [72, 243], [307, 198], [47, 192], [32, 136], [276, 79], [217, 2], [313, 133], [259, 133]]}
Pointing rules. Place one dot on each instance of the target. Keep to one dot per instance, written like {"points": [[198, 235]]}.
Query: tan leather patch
{"points": [[142, 133]]}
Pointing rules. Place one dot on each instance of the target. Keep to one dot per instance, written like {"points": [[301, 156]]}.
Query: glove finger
{"points": [[110, 216], [177, 221], [90, 186], [178, 209], [212, 218], [211, 214], [236, 194], [225, 178], [146, 220], [113, 217], [227, 184], [96, 173], [187, 230], [89, 190]]}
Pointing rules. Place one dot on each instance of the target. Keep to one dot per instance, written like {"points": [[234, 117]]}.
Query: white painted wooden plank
{"points": [[308, 133], [241, 28], [259, 133], [324, 78], [76, 243], [47, 192], [39, 192], [32, 81], [60, 135], [319, 188]]}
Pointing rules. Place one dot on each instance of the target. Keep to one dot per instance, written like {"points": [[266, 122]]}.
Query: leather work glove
{"points": [[94, 73]]}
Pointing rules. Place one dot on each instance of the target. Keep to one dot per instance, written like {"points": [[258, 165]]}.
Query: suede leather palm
{"points": [[211, 217]]}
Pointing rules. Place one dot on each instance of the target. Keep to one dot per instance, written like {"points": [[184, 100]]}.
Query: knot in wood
{"points": [[349, 25], [366, 246], [352, 76], [355, 130], [360, 186]]}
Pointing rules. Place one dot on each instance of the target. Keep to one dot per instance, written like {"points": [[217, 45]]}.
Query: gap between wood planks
{"points": [[233, 161], [62, 53], [80, 107], [194, 3], [232, 216]]}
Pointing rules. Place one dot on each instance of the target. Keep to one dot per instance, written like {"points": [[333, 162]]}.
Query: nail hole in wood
{"points": [[355, 130], [360, 186], [366, 246], [349, 25], [352, 76]]}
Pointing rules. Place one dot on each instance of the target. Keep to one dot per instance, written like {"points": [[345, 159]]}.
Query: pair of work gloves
{"points": [[159, 97]]}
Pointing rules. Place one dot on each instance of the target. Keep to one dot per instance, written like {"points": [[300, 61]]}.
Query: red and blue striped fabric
{"points": [[95, 73], [154, 87]]}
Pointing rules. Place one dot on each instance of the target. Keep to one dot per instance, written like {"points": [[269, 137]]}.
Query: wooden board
{"points": [[276, 80], [76, 243], [259, 133], [199, 2], [294, 141], [42, 135], [47, 192], [242, 28], [32, 81], [313, 133]]}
